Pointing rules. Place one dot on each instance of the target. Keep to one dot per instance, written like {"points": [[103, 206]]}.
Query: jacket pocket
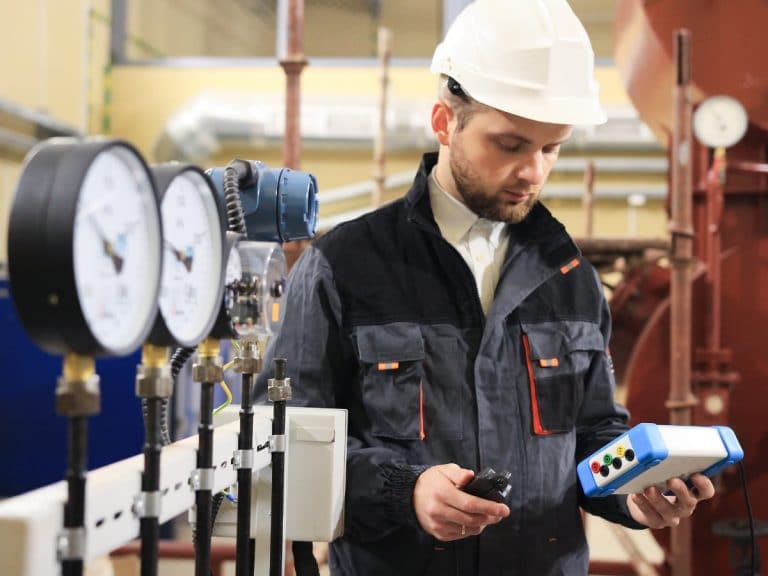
{"points": [[391, 360], [557, 357]]}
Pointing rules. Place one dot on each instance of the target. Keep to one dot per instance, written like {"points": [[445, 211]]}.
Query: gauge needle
{"points": [[108, 247], [184, 256]]}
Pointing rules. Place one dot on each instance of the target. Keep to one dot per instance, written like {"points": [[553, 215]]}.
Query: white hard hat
{"points": [[531, 58]]}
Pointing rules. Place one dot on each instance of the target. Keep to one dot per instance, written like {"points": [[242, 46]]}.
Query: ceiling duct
{"points": [[216, 120]]}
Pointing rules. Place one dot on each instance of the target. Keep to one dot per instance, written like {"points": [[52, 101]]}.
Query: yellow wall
{"points": [[144, 97], [54, 54]]}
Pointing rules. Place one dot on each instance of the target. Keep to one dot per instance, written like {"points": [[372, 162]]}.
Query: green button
{"points": [[607, 458]]}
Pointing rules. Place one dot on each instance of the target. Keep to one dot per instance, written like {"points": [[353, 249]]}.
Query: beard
{"points": [[483, 202]]}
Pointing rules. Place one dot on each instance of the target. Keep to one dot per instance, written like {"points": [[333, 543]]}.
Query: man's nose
{"points": [[532, 168]]}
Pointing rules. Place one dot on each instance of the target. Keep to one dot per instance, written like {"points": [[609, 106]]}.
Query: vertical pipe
{"points": [[293, 62], [243, 566], [74, 509], [380, 141], [149, 527], [203, 524], [680, 400], [588, 200]]}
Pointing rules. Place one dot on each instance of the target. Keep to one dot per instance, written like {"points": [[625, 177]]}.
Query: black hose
{"points": [[150, 483], [235, 214], [74, 509], [278, 489], [244, 475], [203, 525]]}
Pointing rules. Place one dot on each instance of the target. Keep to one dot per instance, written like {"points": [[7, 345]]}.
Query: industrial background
{"points": [[342, 89]]}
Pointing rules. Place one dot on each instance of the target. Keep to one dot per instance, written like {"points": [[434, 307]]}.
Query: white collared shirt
{"points": [[482, 243]]}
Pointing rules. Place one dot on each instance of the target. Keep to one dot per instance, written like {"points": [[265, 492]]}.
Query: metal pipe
{"points": [[681, 400], [379, 141], [588, 200], [293, 62], [74, 509]]}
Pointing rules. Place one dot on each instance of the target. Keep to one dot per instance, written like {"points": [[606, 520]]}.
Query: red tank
{"points": [[730, 290]]}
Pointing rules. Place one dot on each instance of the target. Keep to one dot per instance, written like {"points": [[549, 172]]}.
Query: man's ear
{"points": [[442, 116]]}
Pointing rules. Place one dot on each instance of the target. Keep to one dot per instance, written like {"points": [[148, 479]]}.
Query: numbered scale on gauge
{"points": [[193, 255], [84, 247]]}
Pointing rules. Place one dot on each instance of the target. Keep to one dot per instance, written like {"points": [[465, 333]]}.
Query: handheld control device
{"points": [[490, 485], [650, 454]]}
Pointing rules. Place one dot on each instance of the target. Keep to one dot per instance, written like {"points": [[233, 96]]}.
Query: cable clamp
{"points": [[148, 504], [201, 479], [243, 459], [70, 544], [277, 443]]}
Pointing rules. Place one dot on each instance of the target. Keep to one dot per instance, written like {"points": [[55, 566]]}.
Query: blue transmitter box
{"points": [[650, 454]]}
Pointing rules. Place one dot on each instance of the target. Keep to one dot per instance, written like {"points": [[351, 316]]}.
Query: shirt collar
{"points": [[454, 218]]}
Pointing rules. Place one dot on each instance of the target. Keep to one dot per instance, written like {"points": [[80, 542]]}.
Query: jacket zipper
{"points": [[535, 415], [422, 433]]}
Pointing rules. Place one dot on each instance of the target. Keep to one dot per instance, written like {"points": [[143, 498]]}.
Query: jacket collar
{"points": [[539, 227]]}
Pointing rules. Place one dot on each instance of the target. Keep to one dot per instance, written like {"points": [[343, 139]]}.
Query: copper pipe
{"points": [[681, 400], [588, 200], [379, 143], [293, 62]]}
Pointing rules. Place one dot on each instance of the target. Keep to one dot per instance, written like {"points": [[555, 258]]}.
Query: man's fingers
{"points": [[459, 476], [651, 517], [704, 486]]}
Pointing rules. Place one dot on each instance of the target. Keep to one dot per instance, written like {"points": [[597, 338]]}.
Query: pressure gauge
{"points": [[84, 247], [193, 261], [720, 121]]}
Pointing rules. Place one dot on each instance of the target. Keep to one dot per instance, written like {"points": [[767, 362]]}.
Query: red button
{"points": [[595, 467]]}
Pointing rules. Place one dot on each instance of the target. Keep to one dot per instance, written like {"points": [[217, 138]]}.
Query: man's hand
{"points": [[651, 508], [446, 512]]}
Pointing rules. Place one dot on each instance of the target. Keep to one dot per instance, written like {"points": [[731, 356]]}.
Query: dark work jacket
{"points": [[383, 318]]}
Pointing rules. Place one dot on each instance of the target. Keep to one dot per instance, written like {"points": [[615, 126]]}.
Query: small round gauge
{"points": [[193, 259], [84, 247], [720, 121]]}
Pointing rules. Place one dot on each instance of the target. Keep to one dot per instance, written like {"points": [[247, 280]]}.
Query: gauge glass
{"points": [[116, 248], [720, 121], [192, 263]]}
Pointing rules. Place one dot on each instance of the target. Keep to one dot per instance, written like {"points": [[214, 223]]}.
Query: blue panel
{"points": [[32, 436]]}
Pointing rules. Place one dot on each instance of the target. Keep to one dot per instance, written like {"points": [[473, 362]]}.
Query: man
{"points": [[462, 329]]}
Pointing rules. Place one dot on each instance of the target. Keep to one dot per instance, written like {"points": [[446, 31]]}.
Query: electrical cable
{"points": [[753, 542], [228, 401]]}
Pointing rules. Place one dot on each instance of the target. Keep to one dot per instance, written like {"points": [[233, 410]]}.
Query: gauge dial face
{"points": [[720, 121], [117, 249], [192, 262]]}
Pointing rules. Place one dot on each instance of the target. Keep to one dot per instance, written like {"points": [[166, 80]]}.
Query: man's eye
{"points": [[505, 147]]}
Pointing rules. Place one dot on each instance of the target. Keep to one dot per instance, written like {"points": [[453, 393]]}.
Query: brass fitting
{"points": [[77, 390], [249, 359], [154, 356], [208, 369], [209, 348], [154, 382]]}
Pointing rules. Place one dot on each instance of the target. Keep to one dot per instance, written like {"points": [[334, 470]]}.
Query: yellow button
{"points": [[620, 451]]}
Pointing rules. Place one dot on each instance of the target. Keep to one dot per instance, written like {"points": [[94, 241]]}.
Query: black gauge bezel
{"points": [[41, 246], [164, 175]]}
